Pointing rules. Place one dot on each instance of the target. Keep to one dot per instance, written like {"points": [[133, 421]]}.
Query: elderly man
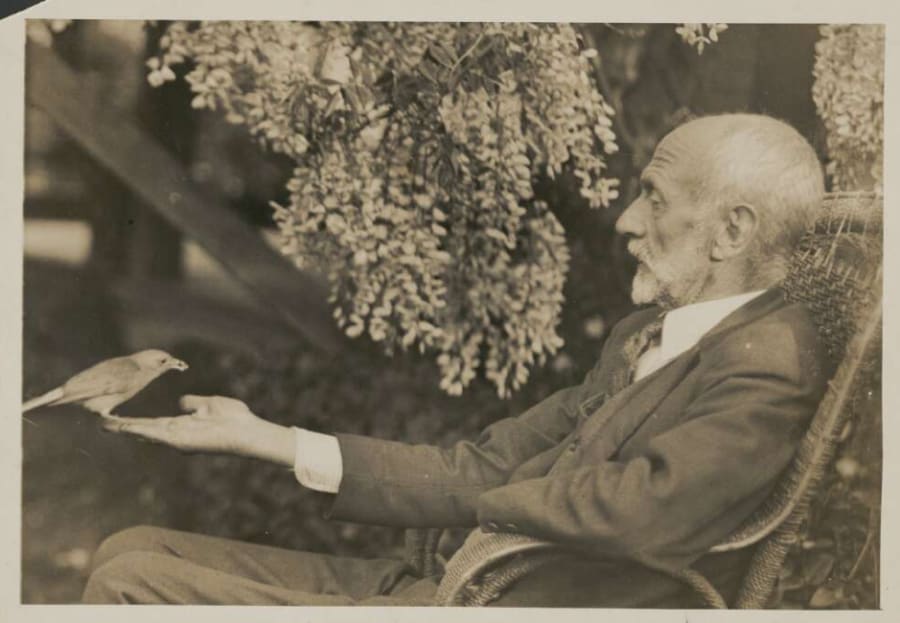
{"points": [[674, 438]]}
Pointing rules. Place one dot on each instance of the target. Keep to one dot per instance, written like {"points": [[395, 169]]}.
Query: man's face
{"points": [[669, 234]]}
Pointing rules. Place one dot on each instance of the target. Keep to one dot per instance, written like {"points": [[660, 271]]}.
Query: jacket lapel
{"points": [[620, 415], [613, 423]]}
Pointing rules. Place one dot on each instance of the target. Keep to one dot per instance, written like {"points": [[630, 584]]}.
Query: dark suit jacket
{"points": [[657, 473]]}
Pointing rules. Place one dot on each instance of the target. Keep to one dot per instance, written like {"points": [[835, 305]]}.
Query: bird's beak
{"points": [[179, 365]]}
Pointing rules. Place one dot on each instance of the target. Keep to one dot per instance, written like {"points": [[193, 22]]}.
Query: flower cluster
{"points": [[849, 96], [700, 35], [41, 31], [417, 146]]}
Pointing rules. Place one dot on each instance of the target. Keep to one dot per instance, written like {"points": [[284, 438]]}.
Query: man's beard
{"points": [[669, 282]]}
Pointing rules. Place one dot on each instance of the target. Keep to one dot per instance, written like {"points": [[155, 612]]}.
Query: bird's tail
{"points": [[50, 397]]}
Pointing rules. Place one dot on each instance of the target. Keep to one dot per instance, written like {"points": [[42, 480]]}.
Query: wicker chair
{"points": [[837, 273]]}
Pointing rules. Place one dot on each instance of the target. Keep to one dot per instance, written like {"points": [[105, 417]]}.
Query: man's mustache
{"points": [[638, 250]]}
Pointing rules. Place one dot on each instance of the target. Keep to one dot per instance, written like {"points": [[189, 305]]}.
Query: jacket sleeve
{"points": [[693, 484], [417, 485]]}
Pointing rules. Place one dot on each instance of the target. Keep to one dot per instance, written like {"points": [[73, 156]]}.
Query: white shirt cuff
{"points": [[318, 464]]}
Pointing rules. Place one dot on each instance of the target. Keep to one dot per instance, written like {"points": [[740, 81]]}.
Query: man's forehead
{"points": [[679, 153], [686, 143]]}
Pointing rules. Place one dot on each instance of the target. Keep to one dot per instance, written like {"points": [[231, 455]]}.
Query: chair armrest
{"points": [[467, 577], [489, 563]]}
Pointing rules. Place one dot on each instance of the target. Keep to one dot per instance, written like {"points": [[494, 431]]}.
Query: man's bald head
{"points": [[757, 161], [723, 203]]}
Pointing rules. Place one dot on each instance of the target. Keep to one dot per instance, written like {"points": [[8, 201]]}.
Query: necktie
{"points": [[634, 347]]}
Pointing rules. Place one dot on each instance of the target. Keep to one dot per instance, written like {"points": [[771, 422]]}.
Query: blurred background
{"points": [[105, 274]]}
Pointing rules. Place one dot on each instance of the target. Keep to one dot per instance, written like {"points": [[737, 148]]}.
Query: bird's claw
{"points": [[112, 422]]}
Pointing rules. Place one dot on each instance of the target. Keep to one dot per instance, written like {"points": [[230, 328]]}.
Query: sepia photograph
{"points": [[545, 314]]}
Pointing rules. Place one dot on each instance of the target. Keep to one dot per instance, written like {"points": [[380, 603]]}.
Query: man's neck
{"points": [[721, 287]]}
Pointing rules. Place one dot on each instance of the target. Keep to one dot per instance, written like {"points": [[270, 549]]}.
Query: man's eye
{"points": [[649, 192]]}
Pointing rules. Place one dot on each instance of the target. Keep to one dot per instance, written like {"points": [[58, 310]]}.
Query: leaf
{"points": [[427, 69], [818, 567], [847, 467], [825, 597], [354, 330], [442, 54], [351, 97], [791, 582]]}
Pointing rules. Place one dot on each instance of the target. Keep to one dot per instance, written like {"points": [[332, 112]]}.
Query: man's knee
{"points": [[136, 539], [126, 578]]}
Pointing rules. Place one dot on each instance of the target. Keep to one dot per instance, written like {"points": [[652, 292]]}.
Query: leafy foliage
{"points": [[41, 31], [836, 562], [417, 146], [700, 35], [849, 96]]}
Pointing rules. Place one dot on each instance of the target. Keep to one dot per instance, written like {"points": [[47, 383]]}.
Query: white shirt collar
{"points": [[683, 327]]}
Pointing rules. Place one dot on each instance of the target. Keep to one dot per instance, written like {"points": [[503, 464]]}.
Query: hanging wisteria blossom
{"points": [[416, 150], [849, 96]]}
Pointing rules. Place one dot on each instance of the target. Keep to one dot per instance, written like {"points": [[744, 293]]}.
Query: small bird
{"points": [[103, 387]]}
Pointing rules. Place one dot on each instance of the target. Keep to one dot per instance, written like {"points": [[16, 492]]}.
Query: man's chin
{"points": [[644, 290], [647, 290]]}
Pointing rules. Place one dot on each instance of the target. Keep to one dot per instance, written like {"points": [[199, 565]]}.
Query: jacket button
{"points": [[574, 445], [492, 526], [510, 527]]}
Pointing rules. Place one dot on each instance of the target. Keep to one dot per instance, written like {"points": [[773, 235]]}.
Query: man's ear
{"points": [[737, 230]]}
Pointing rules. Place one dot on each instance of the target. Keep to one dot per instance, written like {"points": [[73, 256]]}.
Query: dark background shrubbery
{"points": [[80, 484]]}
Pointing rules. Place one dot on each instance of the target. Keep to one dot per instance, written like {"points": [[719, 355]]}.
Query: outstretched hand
{"points": [[212, 424]]}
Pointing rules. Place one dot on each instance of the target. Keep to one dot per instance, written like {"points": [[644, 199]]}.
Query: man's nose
{"points": [[629, 222]]}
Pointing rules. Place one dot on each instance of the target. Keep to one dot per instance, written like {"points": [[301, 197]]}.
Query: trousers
{"points": [[150, 565]]}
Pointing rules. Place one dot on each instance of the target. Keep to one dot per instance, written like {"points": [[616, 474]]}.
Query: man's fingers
{"points": [[118, 424], [155, 429], [112, 422], [191, 402]]}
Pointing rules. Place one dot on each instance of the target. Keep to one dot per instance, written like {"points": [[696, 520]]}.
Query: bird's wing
{"points": [[112, 376]]}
